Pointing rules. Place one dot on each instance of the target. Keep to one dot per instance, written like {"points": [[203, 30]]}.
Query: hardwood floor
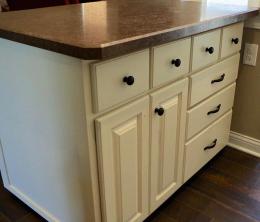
{"points": [[227, 189], [12, 209]]}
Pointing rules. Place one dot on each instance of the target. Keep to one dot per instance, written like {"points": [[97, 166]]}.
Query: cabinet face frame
{"points": [[123, 152], [167, 141]]}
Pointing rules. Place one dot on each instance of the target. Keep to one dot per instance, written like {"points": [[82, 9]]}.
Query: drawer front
{"points": [[206, 145], [231, 39], [213, 79], [205, 113], [205, 49], [170, 61], [112, 80]]}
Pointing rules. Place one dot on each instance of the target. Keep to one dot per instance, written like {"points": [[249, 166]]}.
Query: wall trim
{"points": [[244, 143]]}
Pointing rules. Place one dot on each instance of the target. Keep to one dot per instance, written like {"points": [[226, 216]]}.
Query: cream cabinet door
{"points": [[168, 116], [123, 152]]}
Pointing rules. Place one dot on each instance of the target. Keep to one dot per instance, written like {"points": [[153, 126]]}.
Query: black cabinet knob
{"points": [[159, 111], [129, 80], [235, 40], [210, 50], [176, 62]]}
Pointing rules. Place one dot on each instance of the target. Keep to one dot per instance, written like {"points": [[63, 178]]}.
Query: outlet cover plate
{"points": [[250, 54]]}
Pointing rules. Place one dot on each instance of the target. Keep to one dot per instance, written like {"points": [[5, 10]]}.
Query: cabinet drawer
{"points": [[170, 61], [205, 113], [231, 39], [205, 49], [206, 145], [108, 79], [213, 79]]}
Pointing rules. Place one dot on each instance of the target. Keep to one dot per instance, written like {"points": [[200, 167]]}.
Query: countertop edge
{"points": [[115, 50]]}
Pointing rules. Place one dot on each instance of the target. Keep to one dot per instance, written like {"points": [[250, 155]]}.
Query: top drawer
{"points": [[231, 39], [116, 80], [205, 49], [213, 79], [170, 61]]}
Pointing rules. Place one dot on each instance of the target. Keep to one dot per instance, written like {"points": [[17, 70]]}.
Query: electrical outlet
{"points": [[250, 54]]}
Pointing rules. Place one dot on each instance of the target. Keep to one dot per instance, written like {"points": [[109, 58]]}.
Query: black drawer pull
{"points": [[235, 40], [215, 110], [218, 80], [159, 111], [129, 80], [176, 62], [210, 50], [211, 146]]}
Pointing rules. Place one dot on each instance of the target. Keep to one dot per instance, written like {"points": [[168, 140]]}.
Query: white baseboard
{"points": [[244, 143]]}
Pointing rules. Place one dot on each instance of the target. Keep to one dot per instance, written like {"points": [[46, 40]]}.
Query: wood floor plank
{"points": [[32, 217], [12, 208], [181, 212], [3, 218], [242, 158], [228, 190], [246, 176], [159, 217], [211, 207]]}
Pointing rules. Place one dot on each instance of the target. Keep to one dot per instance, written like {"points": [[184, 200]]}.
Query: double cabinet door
{"points": [[140, 153]]}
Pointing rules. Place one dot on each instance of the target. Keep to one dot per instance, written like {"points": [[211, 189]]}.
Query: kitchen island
{"points": [[107, 108]]}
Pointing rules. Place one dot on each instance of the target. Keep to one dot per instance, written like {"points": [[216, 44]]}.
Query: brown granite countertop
{"points": [[106, 29]]}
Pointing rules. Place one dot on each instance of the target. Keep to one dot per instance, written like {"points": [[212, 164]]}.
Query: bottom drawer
{"points": [[203, 147]]}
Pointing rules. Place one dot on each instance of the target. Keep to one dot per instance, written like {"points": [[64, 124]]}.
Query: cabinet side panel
{"points": [[42, 130]]}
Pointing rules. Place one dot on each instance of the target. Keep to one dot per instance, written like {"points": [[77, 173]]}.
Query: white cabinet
{"points": [[123, 150], [167, 140], [116, 134]]}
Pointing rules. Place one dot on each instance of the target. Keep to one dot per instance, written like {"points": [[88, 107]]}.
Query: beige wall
{"points": [[246, 117]]}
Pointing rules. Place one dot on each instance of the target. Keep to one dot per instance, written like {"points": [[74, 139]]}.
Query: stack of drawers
{"points": [[160, 115], [211, 96]]}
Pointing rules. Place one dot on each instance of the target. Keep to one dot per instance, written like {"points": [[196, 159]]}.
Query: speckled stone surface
{"points": [[106, 29]]}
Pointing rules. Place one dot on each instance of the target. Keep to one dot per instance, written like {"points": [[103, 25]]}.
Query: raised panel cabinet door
{"points": [[123, 152], [168, 117]]}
